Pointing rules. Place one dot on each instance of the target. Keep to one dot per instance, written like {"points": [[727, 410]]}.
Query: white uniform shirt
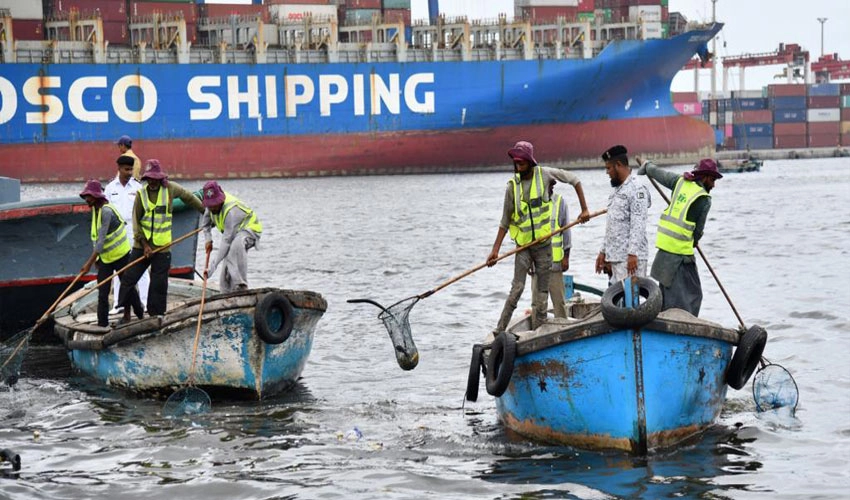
{"points": [[123, 198]]}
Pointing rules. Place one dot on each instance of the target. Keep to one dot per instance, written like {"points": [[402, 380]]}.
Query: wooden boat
{"points": [[253, 343], [614, 378], [43, 245]]}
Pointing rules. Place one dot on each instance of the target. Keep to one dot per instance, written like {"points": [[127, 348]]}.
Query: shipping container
{"points": [[748, 103], [730, 143], [824, 89], [845, 101], [296, 12], [712, 118], [545, 3], [28, 29], [823, 115], [585, 17], [752, 130], [684, 96], [845, 139], [547, 13], [752, 116], [760, 142], [109, 10], [845, 89], [645, 14], [188, 10], [823, 128], [789, 116], [362, 4], [845, 114], [729, 117], [688, 108], [844, 128], [728, 130], [793, 89], [790, 141], [24, 9], [824, 141], [220, 10], [359, 17], [397, 16], [395, 4], [798, 128], [747, 94], [586, 5], [823, 101], [118, 32], [303, 2], [786, 102]]}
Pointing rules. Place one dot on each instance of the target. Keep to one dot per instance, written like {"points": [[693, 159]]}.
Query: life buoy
{"points": [[473, 381], [273, 318], [500, 364], [645, 312], [746, 357]]}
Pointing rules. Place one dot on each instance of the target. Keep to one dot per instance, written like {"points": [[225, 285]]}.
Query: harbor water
{"points": [[358, 427]]}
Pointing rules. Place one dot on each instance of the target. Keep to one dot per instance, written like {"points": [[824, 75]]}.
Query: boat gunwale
{"points": [[673, 322]]}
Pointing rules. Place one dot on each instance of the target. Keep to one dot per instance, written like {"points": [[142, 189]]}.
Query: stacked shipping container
{"points": [[780, 116]]}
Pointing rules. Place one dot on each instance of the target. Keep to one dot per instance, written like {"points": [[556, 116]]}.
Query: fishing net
{"points": [[187, 401], [395, 319], [12, 356], [774, 388]]}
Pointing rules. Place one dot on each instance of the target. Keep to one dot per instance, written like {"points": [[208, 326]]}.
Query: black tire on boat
{"points": [[500, 364], [619, 316], [746, 357], [273, 318], [473, 380]]}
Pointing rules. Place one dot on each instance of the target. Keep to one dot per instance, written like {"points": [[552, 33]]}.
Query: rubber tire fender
{"points": [[500, 364], [475, 366], [267, 308], [746, 358], [632, 318]]}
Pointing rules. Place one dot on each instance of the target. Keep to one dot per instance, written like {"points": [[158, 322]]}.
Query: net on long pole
{"points": [[12, 356]]}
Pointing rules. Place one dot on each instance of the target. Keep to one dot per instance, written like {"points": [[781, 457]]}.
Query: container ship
{"points": [[341, 87]]}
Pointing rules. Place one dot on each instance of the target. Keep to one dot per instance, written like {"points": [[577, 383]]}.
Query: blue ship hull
{"points": [[243, 120], [595, 386]]}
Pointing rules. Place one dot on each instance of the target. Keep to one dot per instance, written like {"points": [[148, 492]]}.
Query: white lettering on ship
{"points": [[89, 98]]}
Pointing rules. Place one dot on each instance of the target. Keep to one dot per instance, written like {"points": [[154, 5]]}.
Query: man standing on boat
{"points": [[121, 193], [561, 244], [240, 230], [111, 248], [152, 222], [625, 250], [526, 214], [679, 231], [125, 145]]}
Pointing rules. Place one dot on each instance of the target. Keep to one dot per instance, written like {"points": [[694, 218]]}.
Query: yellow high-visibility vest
{"points": [[116, 244], [156, 221], [675, 231], [249, 222], [531, 218]]}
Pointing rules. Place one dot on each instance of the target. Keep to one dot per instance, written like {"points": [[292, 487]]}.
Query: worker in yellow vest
{"points": [[679, 231], [111, 248], [526, 214], [561, 245], [152, 216], [240, 230]]}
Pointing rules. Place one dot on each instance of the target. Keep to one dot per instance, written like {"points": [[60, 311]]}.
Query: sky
{"points": [[751, 26]]}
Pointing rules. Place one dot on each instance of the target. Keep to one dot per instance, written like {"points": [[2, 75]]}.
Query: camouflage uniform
{"points": [[625, 228]]}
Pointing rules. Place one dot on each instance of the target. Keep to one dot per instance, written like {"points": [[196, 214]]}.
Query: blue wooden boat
{"points": [[611, 378], [253, 343], [43, 245]]}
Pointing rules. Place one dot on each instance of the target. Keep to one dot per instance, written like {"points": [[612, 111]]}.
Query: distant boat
{"points": [[740, 166], [613, 378], [44, 244], [253, 343]]}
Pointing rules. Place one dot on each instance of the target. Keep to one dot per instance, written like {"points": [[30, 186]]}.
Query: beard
{"points": [[615, 182]]}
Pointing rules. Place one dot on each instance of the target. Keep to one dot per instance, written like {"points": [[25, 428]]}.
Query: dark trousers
{"points": [[104, 271], [685, 292], [160, 264]]}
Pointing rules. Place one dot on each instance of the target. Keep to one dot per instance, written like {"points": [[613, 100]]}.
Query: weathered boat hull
{"points": [[43, 245], [232, 360], [595, 386]]}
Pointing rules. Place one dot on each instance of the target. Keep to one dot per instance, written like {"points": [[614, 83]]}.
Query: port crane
{"points": [[830, 67], [792, 55]]}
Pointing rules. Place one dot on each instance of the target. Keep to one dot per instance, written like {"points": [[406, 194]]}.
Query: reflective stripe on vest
{"points": [[675, 231], [531, 219], [558, 238], [249, 222], [116, 244], [156, 220]]}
